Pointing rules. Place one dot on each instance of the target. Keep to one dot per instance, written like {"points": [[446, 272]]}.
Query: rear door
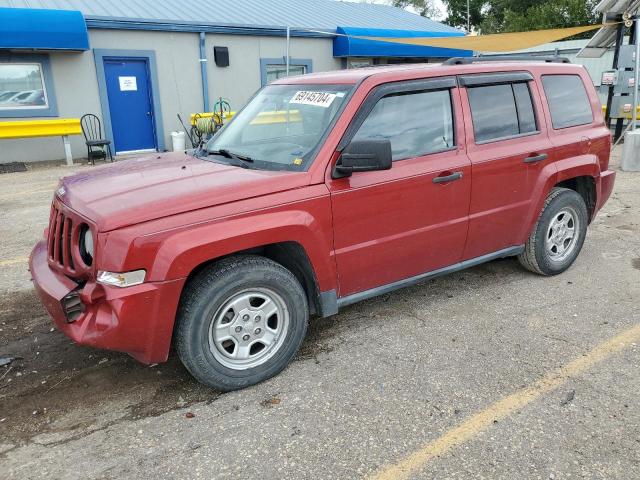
{"points": [[394, 224], [508, 150]]}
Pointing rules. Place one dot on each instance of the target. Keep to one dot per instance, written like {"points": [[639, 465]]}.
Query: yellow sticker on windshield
{"points": [[297, 161]]}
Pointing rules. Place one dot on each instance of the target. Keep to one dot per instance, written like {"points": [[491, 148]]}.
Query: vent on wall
{"points": [[221, 56]]}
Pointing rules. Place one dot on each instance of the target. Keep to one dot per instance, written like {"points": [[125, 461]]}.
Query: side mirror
{"points": [[363, 156]]}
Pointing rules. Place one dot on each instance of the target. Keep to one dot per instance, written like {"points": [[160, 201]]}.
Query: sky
{"points": [[437, 3]]}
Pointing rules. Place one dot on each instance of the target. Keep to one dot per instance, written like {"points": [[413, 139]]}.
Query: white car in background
{"points": [[17, 98]]}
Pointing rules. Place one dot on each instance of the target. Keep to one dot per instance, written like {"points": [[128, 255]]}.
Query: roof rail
{"points": [[505, 58]]}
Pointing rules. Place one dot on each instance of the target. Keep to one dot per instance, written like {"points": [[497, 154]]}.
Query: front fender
{"points": [[179, 253]]}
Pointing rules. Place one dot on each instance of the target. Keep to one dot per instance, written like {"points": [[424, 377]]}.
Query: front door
{"points": [[130, 104], [395, 224]]}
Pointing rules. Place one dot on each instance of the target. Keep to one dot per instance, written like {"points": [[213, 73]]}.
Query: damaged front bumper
{"points": [[137, 320]]}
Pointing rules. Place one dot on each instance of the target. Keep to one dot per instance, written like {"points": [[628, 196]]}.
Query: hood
{"points": [[147, 188]]}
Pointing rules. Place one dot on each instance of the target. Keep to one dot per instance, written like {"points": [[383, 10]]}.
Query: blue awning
{"points": [[358, 47], [34, 29]]}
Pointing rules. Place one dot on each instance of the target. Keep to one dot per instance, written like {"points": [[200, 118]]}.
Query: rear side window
{"points": [[416, 123], [568, 100], [501, 111]]}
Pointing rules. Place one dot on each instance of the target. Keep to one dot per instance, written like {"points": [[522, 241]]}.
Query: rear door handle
{"points": [[536, 158], [448, 178]]}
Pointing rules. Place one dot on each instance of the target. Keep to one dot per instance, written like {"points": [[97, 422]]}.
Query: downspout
{"points": [[203, 71]]}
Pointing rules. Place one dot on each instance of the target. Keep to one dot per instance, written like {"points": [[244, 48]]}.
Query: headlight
{"points": [[86, 244], [126, 279]]}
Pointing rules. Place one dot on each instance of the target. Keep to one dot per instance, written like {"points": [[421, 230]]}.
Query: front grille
{"points": [[61, 234]]}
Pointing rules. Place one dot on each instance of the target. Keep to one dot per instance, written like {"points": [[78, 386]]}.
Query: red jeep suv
{"points": [[325, 190]]}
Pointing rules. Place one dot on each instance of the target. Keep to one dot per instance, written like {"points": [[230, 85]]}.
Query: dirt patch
{"points": [[104, 388], [320, 331], [21, 313], [57, 388]]}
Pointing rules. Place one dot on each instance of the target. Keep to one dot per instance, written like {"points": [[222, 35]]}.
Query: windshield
{"points": [[281, 127]]}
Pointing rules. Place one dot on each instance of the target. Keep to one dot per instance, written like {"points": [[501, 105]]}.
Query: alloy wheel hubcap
{"points": [[562, 235], [249, 328]]}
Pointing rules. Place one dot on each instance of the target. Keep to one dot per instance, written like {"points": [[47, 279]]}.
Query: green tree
{"points": [[537, 15], [457, 13], [426, 8], [496, 16]]}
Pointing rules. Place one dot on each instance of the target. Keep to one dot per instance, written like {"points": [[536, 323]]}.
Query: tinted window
{"points": [[501, 111], [526, 117], [415, 123], [568, 100]]}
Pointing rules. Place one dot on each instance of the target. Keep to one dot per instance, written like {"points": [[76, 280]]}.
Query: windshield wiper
{"points": [[226, 153], [199, 151]]}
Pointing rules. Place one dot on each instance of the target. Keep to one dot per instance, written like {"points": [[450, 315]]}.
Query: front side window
{"points": [[568, 100], [501, 111], [22, 86], [281, 128], [416, 123]]}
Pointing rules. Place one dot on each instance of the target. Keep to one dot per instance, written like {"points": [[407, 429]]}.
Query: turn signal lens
{"points": [[126, 279]]}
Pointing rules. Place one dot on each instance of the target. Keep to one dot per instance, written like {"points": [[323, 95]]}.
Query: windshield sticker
{"points": [[318, 99]]}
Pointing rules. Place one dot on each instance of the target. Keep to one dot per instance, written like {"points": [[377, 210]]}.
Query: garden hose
{"points": [[207, 125]]}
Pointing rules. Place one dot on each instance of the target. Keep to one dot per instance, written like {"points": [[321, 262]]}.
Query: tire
{"points": [[549, 250], [226, 334]]}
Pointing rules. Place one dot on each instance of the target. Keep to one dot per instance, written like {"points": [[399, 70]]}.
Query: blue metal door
{"points": [[130, 104]]}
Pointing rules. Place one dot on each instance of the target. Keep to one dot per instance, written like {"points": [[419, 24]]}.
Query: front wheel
{"points": [[558, 235], [240, 322]]}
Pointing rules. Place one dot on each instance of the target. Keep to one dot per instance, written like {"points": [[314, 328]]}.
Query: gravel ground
{"points": [[370, 387]]}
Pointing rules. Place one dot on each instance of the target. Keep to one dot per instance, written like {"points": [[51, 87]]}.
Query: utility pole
{"points": [[636, 73], [468, 18]]}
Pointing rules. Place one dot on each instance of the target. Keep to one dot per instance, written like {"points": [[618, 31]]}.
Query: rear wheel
{"points": [[558, 235], [240, 322]]}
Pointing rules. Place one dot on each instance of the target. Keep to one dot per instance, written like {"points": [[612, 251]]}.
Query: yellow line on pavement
{"points": [[28, 192], [13, 261], [507, 405]]}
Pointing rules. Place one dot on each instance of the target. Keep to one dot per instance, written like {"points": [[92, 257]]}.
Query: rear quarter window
{"points": [[568, 100]]}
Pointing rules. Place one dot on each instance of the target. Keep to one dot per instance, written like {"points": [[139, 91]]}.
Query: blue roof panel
{"points": [[299, 14]]}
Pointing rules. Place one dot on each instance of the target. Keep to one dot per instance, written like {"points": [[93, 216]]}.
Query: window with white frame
{"points": [[22, 86]]}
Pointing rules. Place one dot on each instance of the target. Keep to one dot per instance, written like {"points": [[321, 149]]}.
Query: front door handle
{"points": [[448, 178], [536, 158]]}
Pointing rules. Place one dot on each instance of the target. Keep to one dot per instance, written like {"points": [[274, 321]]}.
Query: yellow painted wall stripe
{"points": [[478, 422], [13, 261], [40, 128]]}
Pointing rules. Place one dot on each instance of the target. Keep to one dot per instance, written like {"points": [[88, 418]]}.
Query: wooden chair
{"points": [[97, 146]]}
